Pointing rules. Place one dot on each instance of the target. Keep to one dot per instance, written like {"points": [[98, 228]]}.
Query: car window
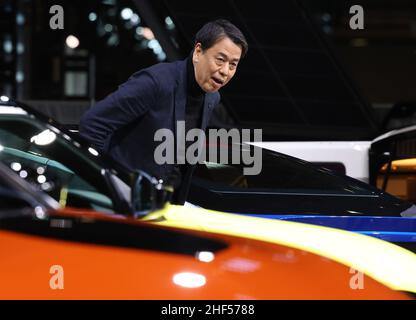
{"points": [[279, 173], [52, 164], [401, 178]]}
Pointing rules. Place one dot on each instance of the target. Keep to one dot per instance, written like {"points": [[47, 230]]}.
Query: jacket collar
{"points": [[180, 95]]}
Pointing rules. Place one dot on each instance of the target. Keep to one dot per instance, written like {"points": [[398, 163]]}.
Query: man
{"points": [[124, 123]]}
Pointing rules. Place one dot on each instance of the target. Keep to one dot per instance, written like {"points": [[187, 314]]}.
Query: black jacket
{"points": [[124, 123]]}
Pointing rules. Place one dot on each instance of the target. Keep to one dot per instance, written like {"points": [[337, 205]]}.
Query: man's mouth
{"points": [[218, 81]]}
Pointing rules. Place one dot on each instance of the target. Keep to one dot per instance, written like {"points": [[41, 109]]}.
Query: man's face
{"points": [[215, 66]]}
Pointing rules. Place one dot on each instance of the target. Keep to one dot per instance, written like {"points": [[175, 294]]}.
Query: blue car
{"points": [[292, 189]]}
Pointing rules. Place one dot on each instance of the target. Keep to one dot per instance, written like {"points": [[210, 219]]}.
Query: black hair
{"points": [[214, 31]]}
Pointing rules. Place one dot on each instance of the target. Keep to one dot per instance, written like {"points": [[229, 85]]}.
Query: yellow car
{"points": [[388, 263]]}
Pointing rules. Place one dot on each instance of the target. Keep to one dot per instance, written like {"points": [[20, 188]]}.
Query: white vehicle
{"points": [[349, 157], [388, 161]]}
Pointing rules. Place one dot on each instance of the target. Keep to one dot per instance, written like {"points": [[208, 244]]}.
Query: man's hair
{"points": [[214, 31]]}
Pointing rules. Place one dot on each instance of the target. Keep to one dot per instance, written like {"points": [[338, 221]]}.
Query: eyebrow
{"points": [[225, 56]]}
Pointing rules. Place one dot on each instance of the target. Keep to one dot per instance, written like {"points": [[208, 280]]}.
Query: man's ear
{"points": [[197, 52]]}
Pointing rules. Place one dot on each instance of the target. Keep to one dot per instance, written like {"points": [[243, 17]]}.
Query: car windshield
{"points": [[279, 173], [54, 163]]}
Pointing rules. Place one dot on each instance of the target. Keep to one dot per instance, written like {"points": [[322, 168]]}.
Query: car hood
{"points": [[383, 261], [115, 257]]}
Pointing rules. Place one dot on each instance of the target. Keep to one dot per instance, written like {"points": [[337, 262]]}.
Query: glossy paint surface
{"points": [[388, 263], [245, 269], [393, 229]]}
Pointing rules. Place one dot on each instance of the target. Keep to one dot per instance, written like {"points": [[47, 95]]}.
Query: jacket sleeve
{"points": [[129, 102]]}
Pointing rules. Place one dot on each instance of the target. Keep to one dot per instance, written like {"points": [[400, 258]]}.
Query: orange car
{"points": [[50, 253]]}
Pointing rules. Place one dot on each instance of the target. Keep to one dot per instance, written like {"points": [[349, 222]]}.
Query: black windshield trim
{"points": [[110, 233]]}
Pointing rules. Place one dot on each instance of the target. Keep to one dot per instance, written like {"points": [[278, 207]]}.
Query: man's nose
{"points": [[225, 69]]}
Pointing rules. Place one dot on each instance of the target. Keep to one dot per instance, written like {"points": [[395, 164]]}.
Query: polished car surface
{"points": [[53, 253], [384, 261]]}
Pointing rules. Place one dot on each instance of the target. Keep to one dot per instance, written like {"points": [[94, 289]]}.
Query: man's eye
{"points": [[233, 66], [220, 59]]}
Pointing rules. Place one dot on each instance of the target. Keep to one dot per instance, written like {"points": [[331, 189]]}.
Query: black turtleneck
{"points": [[194, 100], [193, 119]]}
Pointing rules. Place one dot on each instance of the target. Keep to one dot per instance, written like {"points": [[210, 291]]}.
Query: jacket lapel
{"points": [[179, 111], [180, 92], [208, 105]]}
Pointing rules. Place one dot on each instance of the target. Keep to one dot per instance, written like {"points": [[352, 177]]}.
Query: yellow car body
{"points": [[385, 262]]}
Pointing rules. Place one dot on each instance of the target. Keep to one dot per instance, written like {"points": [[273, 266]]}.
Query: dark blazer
{"points": [[124, 123]]}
